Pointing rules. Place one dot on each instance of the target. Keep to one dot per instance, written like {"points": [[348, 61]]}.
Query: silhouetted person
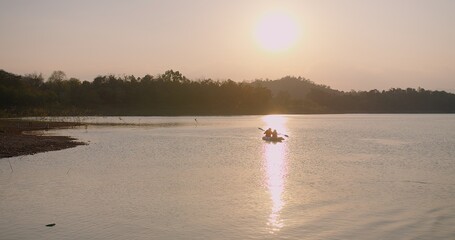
{"points": [[274, 134], [268, 132]]}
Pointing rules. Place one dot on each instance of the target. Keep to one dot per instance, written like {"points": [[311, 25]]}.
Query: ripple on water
{"points": [[335, 177]]}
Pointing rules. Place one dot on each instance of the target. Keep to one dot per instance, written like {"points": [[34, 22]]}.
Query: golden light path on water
{"points": [[275, 168]]}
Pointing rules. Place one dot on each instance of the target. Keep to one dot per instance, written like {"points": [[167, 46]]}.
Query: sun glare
{"points": [[276, 32], [277, 122]]}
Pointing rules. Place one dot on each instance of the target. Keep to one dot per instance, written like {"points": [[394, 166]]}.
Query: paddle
{"points": [[278, 133]]}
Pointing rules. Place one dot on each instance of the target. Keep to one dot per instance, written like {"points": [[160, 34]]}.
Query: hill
{"points": [[300, 95], [295, 87]]}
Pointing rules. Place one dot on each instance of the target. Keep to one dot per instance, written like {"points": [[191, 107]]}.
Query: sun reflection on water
{"points": [[277, 122], [275, 167]]}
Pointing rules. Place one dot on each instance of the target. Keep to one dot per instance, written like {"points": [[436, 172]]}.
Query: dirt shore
{"points": [[22, 137]]}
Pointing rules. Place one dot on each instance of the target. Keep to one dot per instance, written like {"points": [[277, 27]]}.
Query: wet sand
{"points": [[23, 137]]}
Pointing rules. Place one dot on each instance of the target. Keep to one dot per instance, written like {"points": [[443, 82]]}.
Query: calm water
{"points": [[335, 177]]}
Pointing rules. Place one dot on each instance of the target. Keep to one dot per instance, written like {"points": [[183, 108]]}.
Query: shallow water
{"points": [[335, 177]]}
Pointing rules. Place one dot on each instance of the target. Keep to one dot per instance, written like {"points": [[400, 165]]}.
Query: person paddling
{"points": [[274, 134], [268, 133]]}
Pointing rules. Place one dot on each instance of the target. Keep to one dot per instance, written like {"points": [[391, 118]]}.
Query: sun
{"points": [[276, 32]]}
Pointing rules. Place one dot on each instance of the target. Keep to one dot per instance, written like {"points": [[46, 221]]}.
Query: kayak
{"points": [[271, 139]]}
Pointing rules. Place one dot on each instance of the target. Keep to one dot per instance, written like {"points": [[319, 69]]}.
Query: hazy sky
{"points": [[346, 44]]}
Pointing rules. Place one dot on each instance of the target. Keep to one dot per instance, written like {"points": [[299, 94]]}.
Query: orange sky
{"points": [[350, 44]]}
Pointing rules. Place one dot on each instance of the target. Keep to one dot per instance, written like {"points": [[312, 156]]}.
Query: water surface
{"points": [[335, 177]]}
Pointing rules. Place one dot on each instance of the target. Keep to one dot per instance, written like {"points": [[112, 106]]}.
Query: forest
{"points": [[171, 94]]}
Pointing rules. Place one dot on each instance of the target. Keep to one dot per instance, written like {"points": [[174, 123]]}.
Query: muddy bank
{"points": [[22, 137]]}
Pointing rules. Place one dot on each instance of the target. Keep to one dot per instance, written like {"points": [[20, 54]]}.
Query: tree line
{"points": [[172, 93], [300, 95]]}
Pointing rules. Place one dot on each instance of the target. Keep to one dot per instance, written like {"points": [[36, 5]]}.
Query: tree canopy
{"points": [[172, 93]]}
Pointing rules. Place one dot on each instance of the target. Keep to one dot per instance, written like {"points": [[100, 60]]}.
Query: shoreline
{"points": [[21, 137]]}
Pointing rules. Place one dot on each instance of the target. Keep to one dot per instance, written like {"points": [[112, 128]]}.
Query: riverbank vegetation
{"points": [[172, 93]]}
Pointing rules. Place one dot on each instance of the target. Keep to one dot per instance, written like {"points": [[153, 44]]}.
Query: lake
{"points": [[334, 177]]}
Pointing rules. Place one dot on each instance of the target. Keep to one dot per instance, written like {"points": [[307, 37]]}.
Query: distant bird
{"points": [[50, 225]]}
